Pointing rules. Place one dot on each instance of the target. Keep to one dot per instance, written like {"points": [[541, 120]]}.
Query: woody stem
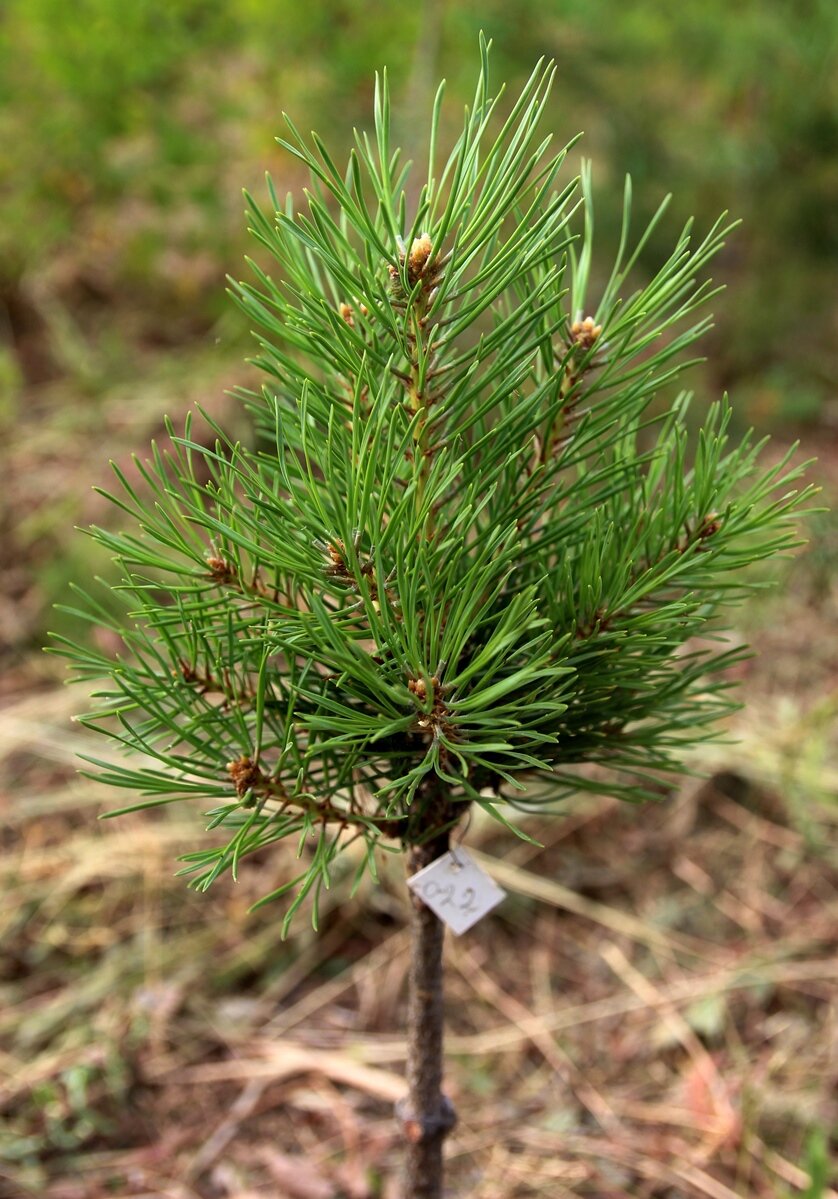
{"points": [[427, 1116]]}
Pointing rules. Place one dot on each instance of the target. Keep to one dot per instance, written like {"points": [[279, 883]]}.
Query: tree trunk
{"points": [[426, 1115]]}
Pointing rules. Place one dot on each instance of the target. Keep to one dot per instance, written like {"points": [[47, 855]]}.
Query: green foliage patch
{"points": [[475, 547]]}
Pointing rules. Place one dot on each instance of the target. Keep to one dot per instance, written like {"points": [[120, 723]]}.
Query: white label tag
{"points": [[456, 889]]}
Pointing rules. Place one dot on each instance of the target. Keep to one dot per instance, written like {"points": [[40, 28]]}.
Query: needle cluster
{"points": [[474, 546]]}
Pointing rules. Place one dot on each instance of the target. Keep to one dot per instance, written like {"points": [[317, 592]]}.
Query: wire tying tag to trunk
{"points": [[457, 890]]}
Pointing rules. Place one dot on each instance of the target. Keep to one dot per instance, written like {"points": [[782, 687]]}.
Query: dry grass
{"points": [[650, 1013]]}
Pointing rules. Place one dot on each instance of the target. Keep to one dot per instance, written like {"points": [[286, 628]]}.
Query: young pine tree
{"points": [[469, 550]]}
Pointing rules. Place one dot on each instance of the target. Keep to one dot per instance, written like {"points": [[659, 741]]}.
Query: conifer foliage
{"points": [[463, 547], [472, 545]]}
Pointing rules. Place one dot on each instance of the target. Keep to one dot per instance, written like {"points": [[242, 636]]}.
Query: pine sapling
{"points": [[471, 550]]}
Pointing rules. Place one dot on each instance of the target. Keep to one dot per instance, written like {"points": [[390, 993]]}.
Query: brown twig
{"points": [[427, 1115]]}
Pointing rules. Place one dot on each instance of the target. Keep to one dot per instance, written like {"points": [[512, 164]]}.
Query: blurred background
{"points": [[149, 1061], [128, 132]]}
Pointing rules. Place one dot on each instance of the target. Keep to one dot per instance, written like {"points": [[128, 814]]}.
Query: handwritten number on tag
{"points": [[447, 897], [434, 890], [456, 889], [468, 904]]}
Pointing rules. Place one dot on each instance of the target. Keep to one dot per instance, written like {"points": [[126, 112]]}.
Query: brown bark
{"points": [[427, 1115]]}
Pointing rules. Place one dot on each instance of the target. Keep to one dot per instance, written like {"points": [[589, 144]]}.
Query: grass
{"points": [[58, 445]]}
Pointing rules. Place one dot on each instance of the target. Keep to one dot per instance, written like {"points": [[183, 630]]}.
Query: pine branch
{"points": [[475, 544]]}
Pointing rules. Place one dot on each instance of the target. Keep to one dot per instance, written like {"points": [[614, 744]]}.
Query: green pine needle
{"points": [[472, 539]]}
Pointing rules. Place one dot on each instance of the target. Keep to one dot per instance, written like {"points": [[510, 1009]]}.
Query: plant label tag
{"points": [[456, 889]]}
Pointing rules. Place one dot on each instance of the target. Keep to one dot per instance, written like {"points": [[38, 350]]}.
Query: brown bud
{"points": [[584, 333], [245, 774], [336, 551], [221, 570], [710, 526], [419, 687], [420, 251]]}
